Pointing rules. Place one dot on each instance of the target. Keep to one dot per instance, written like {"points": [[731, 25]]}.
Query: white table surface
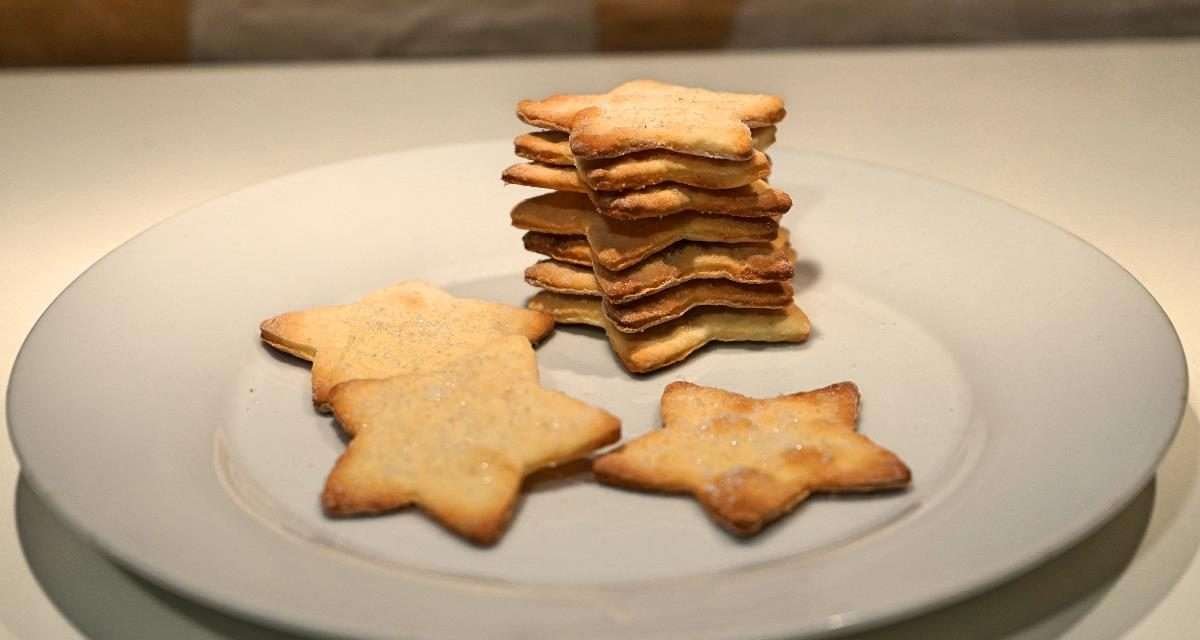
{"points": [[1102, 139]]}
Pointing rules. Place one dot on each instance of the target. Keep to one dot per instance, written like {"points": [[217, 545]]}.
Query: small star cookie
{"points": [[749, 461], [410, 327], [457, 443]]}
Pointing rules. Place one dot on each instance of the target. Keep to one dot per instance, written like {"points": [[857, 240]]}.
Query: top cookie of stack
{"points": [[661, 229]]}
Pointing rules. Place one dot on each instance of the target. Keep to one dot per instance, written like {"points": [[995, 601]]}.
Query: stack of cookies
{"points": [[660, 227]]}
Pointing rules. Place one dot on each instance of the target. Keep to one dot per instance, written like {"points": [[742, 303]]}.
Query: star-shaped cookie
{"points": [[756, 199], [638, 315], [619, 244], [554, 147], [410, 327], [646, 114], [749, 461], [458, 442], [753, 262], [666, 344]]}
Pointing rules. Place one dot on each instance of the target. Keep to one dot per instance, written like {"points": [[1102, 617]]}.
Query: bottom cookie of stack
{"points": [[670, 342]]}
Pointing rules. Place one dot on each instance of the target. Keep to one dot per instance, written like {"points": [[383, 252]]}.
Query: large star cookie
{"points": [[749, 461], [410, 327], [646, 114], [458, 442]]}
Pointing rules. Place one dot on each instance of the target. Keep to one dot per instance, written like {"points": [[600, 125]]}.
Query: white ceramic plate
{"points": [[1030, 383]]}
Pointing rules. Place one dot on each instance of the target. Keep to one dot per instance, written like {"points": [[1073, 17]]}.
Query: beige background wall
{"points": [[34, 32]]}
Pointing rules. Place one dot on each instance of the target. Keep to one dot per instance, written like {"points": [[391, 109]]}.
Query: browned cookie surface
{"points": [[755, 263], [755, 200], [554, 147], [665, 306], [647, 168], [547, 147], [570, 249], [544, 176]]}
